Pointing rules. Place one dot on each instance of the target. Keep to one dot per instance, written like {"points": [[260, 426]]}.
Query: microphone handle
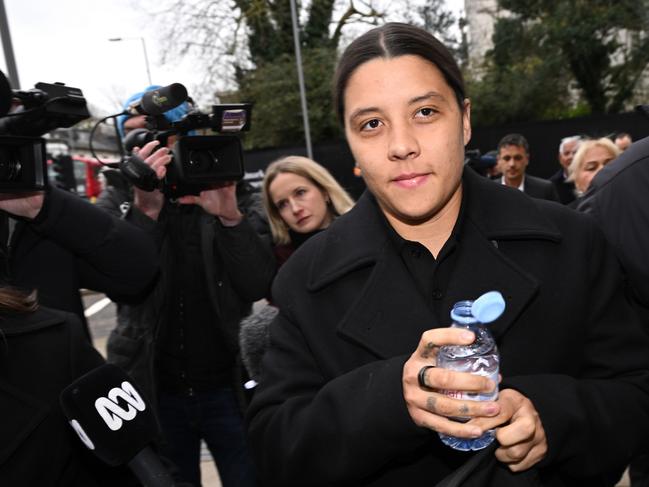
{"points": [[148, 468]]}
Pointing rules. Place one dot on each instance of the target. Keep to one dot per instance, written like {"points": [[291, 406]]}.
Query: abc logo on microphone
{"points": [[109, 414]]}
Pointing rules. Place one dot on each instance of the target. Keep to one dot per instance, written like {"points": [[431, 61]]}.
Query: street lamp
{"points": [[146, 58]]}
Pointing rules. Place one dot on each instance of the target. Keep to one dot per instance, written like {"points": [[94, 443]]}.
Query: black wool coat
{"points": [[540, 188], [565, 189], [72, 245], [329, 409], [41, 354], [617, 200], [239, 269]]}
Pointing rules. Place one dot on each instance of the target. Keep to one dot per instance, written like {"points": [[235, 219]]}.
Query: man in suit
{"points": [[513, 158], [565, 188]]}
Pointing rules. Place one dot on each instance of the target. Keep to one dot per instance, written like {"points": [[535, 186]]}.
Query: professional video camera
{"points": [[23, 162], [199, 162]]}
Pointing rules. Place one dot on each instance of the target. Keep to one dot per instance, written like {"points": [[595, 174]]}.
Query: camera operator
{"points": [[51, 240], [57, 243], [180, 343]]}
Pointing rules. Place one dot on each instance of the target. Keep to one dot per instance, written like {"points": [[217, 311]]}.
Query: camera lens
{"points": [[10, 167], [201, 161]]}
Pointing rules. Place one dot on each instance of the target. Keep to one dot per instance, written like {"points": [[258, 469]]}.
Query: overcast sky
{"points": [[67, 41]]}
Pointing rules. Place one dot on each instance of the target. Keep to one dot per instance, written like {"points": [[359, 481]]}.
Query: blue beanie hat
{"points": [[172, 115]]}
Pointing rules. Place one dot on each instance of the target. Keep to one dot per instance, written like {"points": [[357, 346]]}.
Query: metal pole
{"points": [[146, 60], [12, 70], [300, 76]]}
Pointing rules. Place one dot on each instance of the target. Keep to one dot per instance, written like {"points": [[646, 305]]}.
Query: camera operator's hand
{"points": [[220, 201], [26, 205], [150, 203]]}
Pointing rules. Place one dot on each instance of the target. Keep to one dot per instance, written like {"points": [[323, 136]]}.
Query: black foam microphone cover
{"points": [[160, 100], [109, 414]]}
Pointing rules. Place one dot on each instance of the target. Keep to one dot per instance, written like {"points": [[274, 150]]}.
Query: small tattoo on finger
{"points": [[431, 403], [428, 350]]}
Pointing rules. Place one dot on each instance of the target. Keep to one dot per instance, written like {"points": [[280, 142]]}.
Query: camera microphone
{"points": [[159, 100], [113, 420]]}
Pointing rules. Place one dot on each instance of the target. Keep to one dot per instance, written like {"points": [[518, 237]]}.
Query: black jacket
{"points": [[329, 409], [540, 188], [565, 189], [617, 199], [72, 245], [239, 266], [41, 354]]}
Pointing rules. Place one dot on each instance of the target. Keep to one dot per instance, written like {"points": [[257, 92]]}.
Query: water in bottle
{"points": [[480, 357]]}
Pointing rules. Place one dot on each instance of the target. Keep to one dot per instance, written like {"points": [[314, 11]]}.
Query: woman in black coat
{"points": [[301, 198], [364, 307], [42, 352]]}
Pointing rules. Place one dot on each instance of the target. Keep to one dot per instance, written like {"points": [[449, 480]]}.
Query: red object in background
{"points": [[93, 188]]}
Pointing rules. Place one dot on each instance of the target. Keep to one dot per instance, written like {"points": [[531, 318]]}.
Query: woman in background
{"points": [[301, 198], [589, 159]]}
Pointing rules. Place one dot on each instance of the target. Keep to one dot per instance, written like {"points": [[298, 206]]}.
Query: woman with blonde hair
{"points": [[301, 198], [589, 159]]}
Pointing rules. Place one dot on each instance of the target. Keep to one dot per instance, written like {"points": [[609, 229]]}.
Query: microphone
{"points": [[112, 419], [159, 100]]}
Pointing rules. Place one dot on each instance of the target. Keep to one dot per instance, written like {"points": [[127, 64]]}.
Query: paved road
{"points": [[100, 313]]}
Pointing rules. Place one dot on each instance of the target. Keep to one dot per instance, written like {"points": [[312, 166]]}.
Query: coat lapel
{"points": [[389, 315], [481, 267]]}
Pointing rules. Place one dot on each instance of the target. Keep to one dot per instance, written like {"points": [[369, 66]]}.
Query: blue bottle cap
{"points": [[488, 307]]}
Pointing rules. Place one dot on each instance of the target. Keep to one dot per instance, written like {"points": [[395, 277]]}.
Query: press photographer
{"points": [[199, 162], [50, 240], [180, 342]]}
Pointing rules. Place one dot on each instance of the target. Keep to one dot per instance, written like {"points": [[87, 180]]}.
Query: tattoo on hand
{"points": [[464, 409], [431, 404], [428, 350]]}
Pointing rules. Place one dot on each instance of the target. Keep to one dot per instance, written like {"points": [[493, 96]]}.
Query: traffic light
{"points": [[63, 169]]}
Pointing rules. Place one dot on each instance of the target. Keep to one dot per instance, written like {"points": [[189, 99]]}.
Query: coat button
{"points": [[219, 283], [437, 294]]}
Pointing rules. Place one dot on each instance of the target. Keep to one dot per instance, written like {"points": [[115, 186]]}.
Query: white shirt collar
{"points": [[521, 187]]}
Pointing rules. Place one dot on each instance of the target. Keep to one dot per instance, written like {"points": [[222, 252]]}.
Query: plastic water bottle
{"points": [[480, 358]]}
